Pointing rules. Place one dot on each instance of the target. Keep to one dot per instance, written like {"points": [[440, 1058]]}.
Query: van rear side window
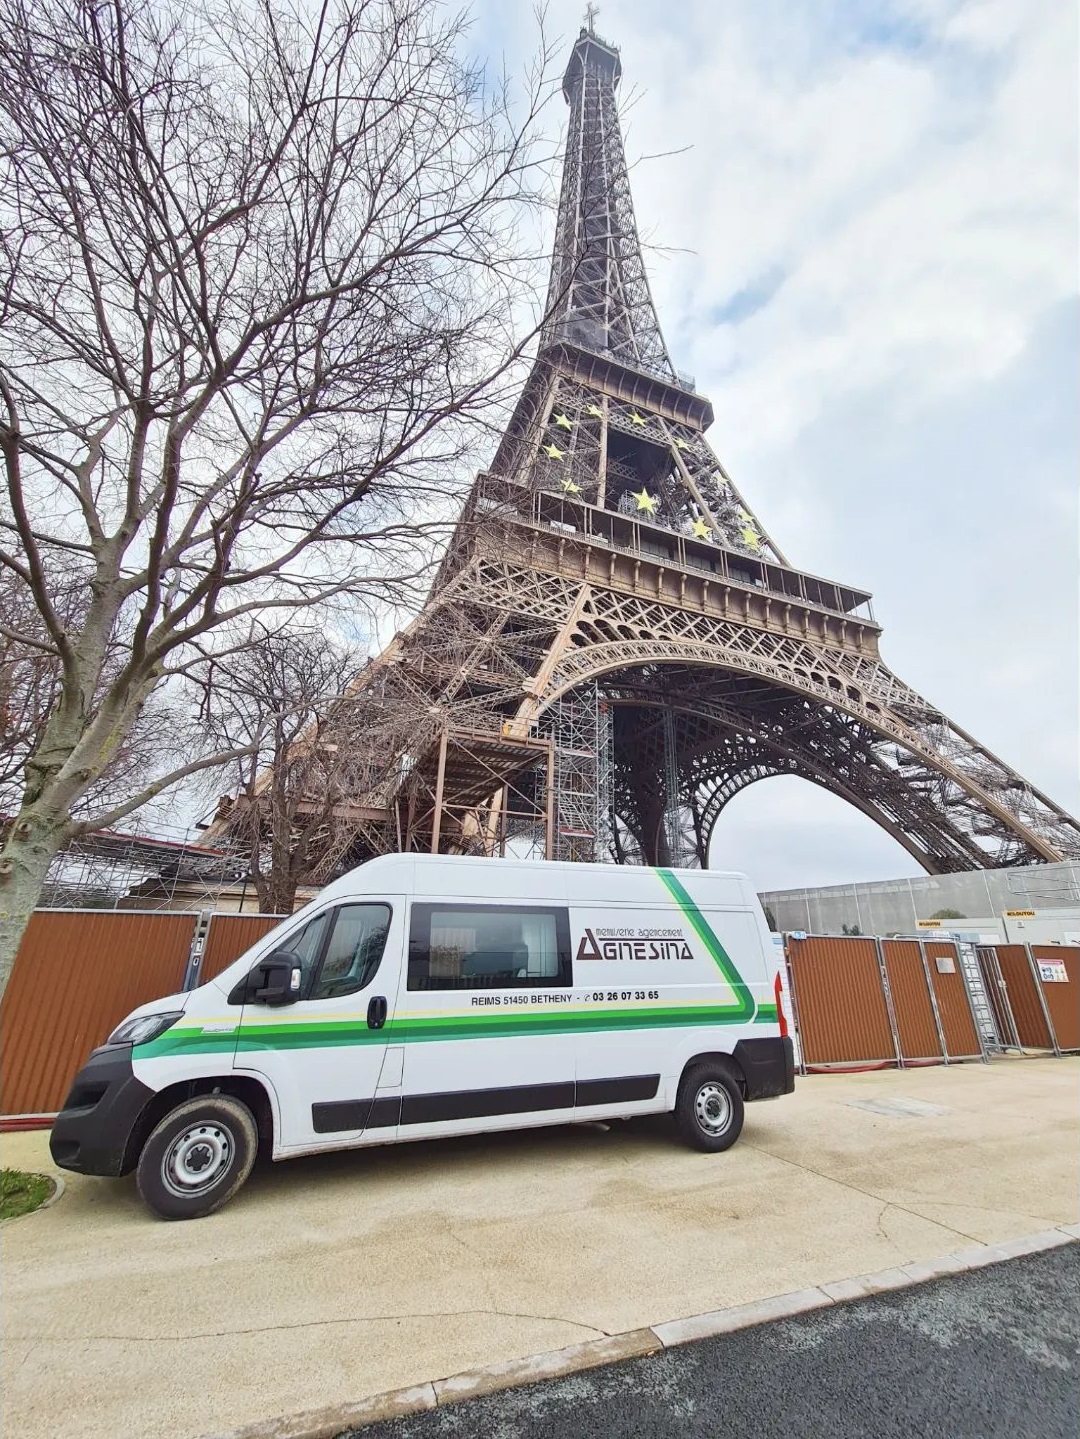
{"points": [[488, 947]]}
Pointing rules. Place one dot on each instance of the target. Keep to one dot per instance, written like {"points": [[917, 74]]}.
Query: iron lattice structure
{"points": [[614, 645]]}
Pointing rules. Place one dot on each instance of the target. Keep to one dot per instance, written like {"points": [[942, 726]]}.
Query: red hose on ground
{"points": [[850, 1068]]}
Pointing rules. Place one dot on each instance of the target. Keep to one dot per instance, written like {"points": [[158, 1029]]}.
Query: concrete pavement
{"points": [[351, 1274]]}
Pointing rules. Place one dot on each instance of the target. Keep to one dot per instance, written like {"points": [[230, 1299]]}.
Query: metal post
{"points": [[886, 990], [436, 823], [933, 1001], [549, 808], [196, 951], [1042, 999]]}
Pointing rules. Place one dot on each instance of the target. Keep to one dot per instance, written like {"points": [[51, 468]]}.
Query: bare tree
{"points": [[31, 675], [281, 700], [259, 264]]}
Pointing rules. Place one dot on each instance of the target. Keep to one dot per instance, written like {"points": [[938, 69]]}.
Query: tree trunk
{"points": [[280, 894], [276, 891], [35, 838]]}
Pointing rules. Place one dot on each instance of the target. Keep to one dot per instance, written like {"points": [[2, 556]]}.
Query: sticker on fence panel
{"points": [[1054, 973]]}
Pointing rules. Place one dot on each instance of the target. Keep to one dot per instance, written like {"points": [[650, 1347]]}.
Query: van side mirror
{"points": [[275, 980]]}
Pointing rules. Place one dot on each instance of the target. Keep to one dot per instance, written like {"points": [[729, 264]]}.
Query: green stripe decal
{"points": [[743, 1007], [417, 1029]]}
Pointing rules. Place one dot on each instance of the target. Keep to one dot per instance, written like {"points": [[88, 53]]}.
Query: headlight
{"points": [[143, 1028]]}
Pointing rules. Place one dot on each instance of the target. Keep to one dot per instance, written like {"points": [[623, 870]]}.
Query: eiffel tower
{"points": [[615, 645]]}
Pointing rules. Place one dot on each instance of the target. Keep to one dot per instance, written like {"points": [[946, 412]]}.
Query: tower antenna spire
{"points": [[591, 12]]}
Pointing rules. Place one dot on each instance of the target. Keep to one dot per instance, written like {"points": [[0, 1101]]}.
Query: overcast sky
{"points": [[877, 289]]}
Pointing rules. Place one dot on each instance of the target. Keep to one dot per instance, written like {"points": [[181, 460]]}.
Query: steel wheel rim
{"points": [[196, 1159], [712, 1105]]}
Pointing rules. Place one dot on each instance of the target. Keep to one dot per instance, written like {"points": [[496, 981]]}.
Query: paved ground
{"points": [[988, 1355], [332, 1278]]}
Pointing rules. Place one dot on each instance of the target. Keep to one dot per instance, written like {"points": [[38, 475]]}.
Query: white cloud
{"points": [[918, 205]]}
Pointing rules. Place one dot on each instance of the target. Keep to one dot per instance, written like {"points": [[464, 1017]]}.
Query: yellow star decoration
{"points": [[571, 488], [636, 418], [750, 535], [564, 422], [554, 453], [680, 444], [701, 530], [594, 410], [645, 501]]}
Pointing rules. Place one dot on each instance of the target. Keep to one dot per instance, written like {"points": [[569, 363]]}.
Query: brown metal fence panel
{"points": [[77, 973], [912, 1005], [843, 1018], [1023, 993], [1062, 999], [954, 1008], [229, 936]]}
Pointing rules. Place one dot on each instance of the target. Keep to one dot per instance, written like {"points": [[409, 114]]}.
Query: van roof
{"points": [[426, 861], [402, 870]]}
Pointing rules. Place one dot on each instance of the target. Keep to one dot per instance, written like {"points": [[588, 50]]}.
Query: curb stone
{"points": [[327, 1423], [330, 1422], [593, 1352]]}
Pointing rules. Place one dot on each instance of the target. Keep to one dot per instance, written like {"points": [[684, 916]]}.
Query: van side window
{"points": [[487, 946], [354, 951]]}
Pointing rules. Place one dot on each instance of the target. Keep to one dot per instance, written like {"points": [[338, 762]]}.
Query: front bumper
{"points": [[92, 1133], [768, 1066]]}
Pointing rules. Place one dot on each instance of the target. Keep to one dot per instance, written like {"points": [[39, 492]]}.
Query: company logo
{"points": [[669, 945]]}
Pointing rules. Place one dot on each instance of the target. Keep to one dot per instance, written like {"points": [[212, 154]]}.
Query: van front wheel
{"points": [[197, 1157], [709, 1109]]}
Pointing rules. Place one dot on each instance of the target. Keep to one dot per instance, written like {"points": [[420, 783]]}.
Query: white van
{"points": [[421, 996]]}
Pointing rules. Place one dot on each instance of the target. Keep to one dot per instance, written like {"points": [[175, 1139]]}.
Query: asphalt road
{"points": [[990, 1354]]}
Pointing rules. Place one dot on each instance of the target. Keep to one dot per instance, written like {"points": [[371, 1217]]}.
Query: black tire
{"points": [[709, 1109], [213, 1132]]}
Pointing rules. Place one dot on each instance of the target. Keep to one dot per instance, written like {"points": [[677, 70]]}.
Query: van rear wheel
{"points": [[709, 1108], [197, 1157]]}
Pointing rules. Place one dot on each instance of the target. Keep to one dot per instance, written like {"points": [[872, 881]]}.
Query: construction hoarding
{"points": [[856, 1000], [79, 972]]}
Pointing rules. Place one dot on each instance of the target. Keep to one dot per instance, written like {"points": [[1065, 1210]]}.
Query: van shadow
{"points": [[495, 1153]]}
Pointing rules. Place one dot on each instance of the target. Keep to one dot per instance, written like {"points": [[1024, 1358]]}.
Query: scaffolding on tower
{"points": [[579, 726]]}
